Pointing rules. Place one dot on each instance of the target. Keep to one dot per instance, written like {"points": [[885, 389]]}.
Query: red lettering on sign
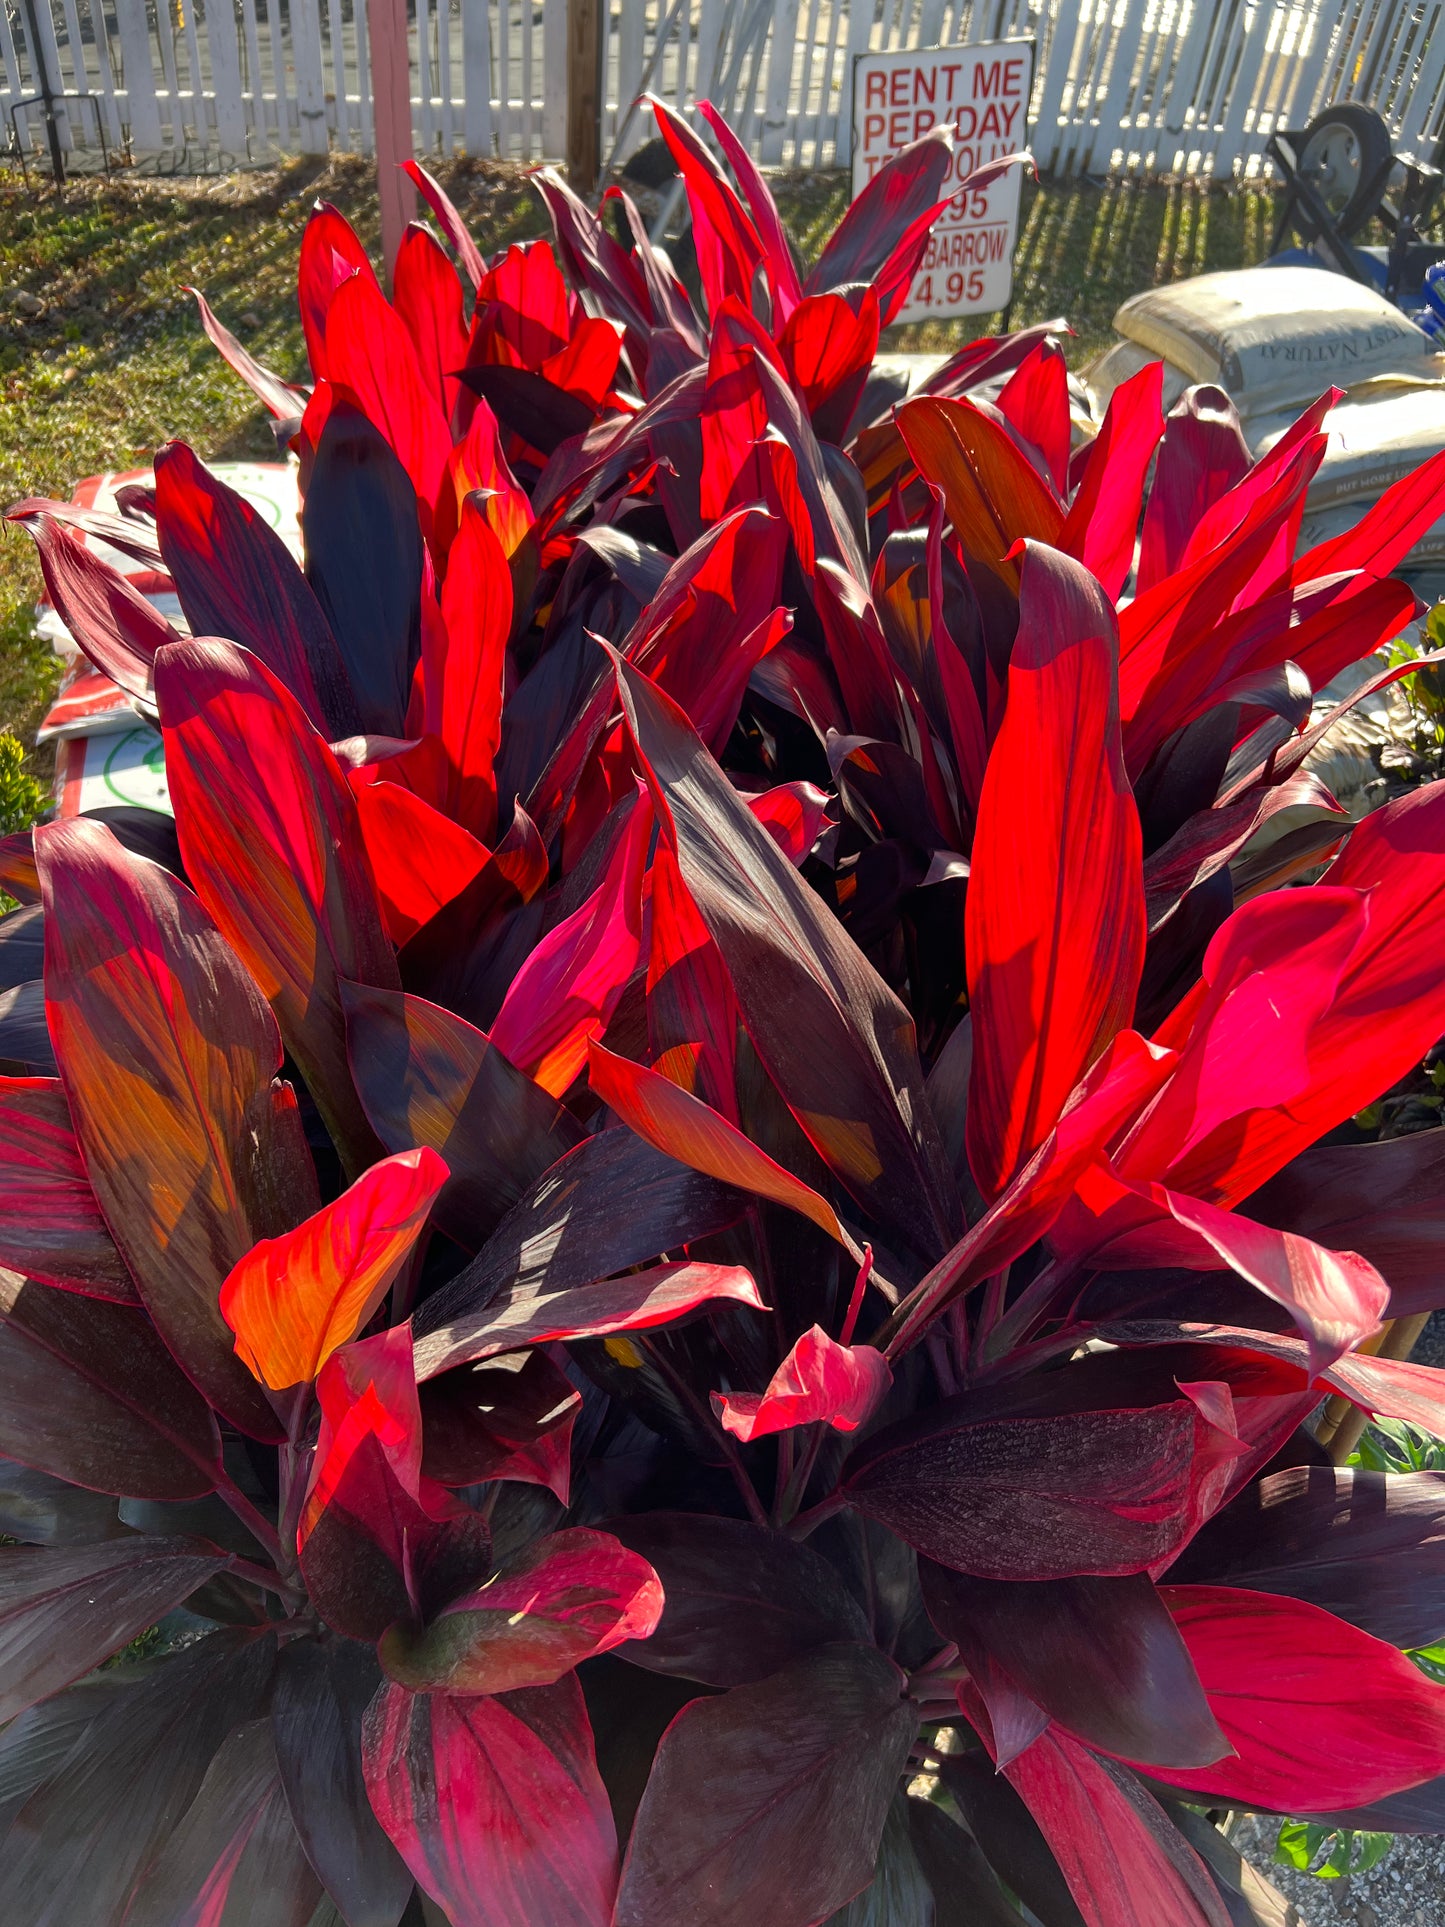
{"points": [[876, 91]]}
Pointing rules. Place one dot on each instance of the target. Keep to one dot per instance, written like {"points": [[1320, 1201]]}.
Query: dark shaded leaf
{"points": [[81, 1845], [426, 1077], [65, 1609], [966, 1891], [236, 578], [41, 1511], [1010, 1837], [899, 1894], [1100, 1656], [523, 1833], [739, 1602], [904, 188], [88, 1393], [234, 1860], [567, 1232], [111, 621], [769, 1802], [51, 1227], [169, 1057], [364, 561], [543, 414], [323, 1687], [833, 1037], [508, 1418]]}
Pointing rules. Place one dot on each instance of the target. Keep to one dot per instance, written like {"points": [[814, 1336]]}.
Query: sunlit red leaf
{"points": [[1055, 930], [1321, 1715], [462, 672], [268, 829], [331, 254], [1035, 399], [729, 252], [428, 296], [1103, 518], [293, 1300], [396, 824], [820, 1382], [569, 986], [994, 494], [370, 354]]}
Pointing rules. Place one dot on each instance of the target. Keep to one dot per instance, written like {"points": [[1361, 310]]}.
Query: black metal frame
{"points": [[50, 103], [1403, 218]]}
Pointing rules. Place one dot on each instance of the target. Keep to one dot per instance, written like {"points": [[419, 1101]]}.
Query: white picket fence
{"points": [[1150, 86]]}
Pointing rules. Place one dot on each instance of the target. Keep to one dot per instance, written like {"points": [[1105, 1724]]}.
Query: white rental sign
{"points": [[983, 93]]}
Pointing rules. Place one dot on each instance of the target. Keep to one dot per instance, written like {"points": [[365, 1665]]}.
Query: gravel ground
{"points": [[1406, 1889]]}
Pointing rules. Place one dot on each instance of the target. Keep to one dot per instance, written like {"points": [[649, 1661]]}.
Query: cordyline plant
{"points": [[693, 1204]]}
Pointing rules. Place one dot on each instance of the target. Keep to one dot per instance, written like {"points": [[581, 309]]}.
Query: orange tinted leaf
{"points": [[293, 1300], [995, 495]]}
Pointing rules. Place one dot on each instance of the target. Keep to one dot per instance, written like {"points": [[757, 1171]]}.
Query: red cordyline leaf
{"points": [[51, 1227], [525, 302], [525, 1833], [637, 1302], [331, 253], [462, 672], [658, 1108], [285, 402], [782, 273], [820, 1382], [370, 354], [568, 988], [1055, 913], [903, 190], [268, 830], [995, 496], [1321, 1716], [1201, 457], [478, 464], [587, 366], [692, 1014], [428, 296], [1125, 1863], [729, 252], [395, 825], [793, 815], [1035, 399], [169, 1058], [565, 1598], [1104, 515], [736, 468], [111, 621], [452, 224], [828, 348], [293, 1300], [1311, 1003]]}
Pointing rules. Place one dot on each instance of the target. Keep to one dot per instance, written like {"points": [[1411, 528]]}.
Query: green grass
{"points": [[117, 363]]}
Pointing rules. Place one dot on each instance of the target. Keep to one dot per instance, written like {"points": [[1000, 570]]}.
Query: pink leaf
{"points": [[819, 1382]]}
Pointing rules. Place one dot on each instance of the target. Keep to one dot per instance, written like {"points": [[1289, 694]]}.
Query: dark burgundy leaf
{"points": [[234, 1860], [1366, 1547], [567, 1232], [904, 188], [833, 1036], [769, 1803], [507, 1418], [236, 578], [111, 621], [1384, 1200], [170, 1057], [739, 1602], [65, 1609], [1101, 1656], [51, 1227], [88, 1393], [543, 414], [41, 1511], [426, 1077], [364, 561], [899, 1894], [966, 1890], [80, 1847], [323, 1688]]}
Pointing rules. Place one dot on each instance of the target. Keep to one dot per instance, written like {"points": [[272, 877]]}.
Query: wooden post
{"points": [[584, 94], [390, 51]]}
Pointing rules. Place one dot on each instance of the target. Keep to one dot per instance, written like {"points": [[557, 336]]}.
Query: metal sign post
{"points": [[982, 92]]}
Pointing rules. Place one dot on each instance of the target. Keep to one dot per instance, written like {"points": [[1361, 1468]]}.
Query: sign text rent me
{"points": [[982, 93]]}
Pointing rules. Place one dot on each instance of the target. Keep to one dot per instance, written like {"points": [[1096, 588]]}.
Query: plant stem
{"points": [[254, 1520], [806, 1522], [267, 1580]]}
